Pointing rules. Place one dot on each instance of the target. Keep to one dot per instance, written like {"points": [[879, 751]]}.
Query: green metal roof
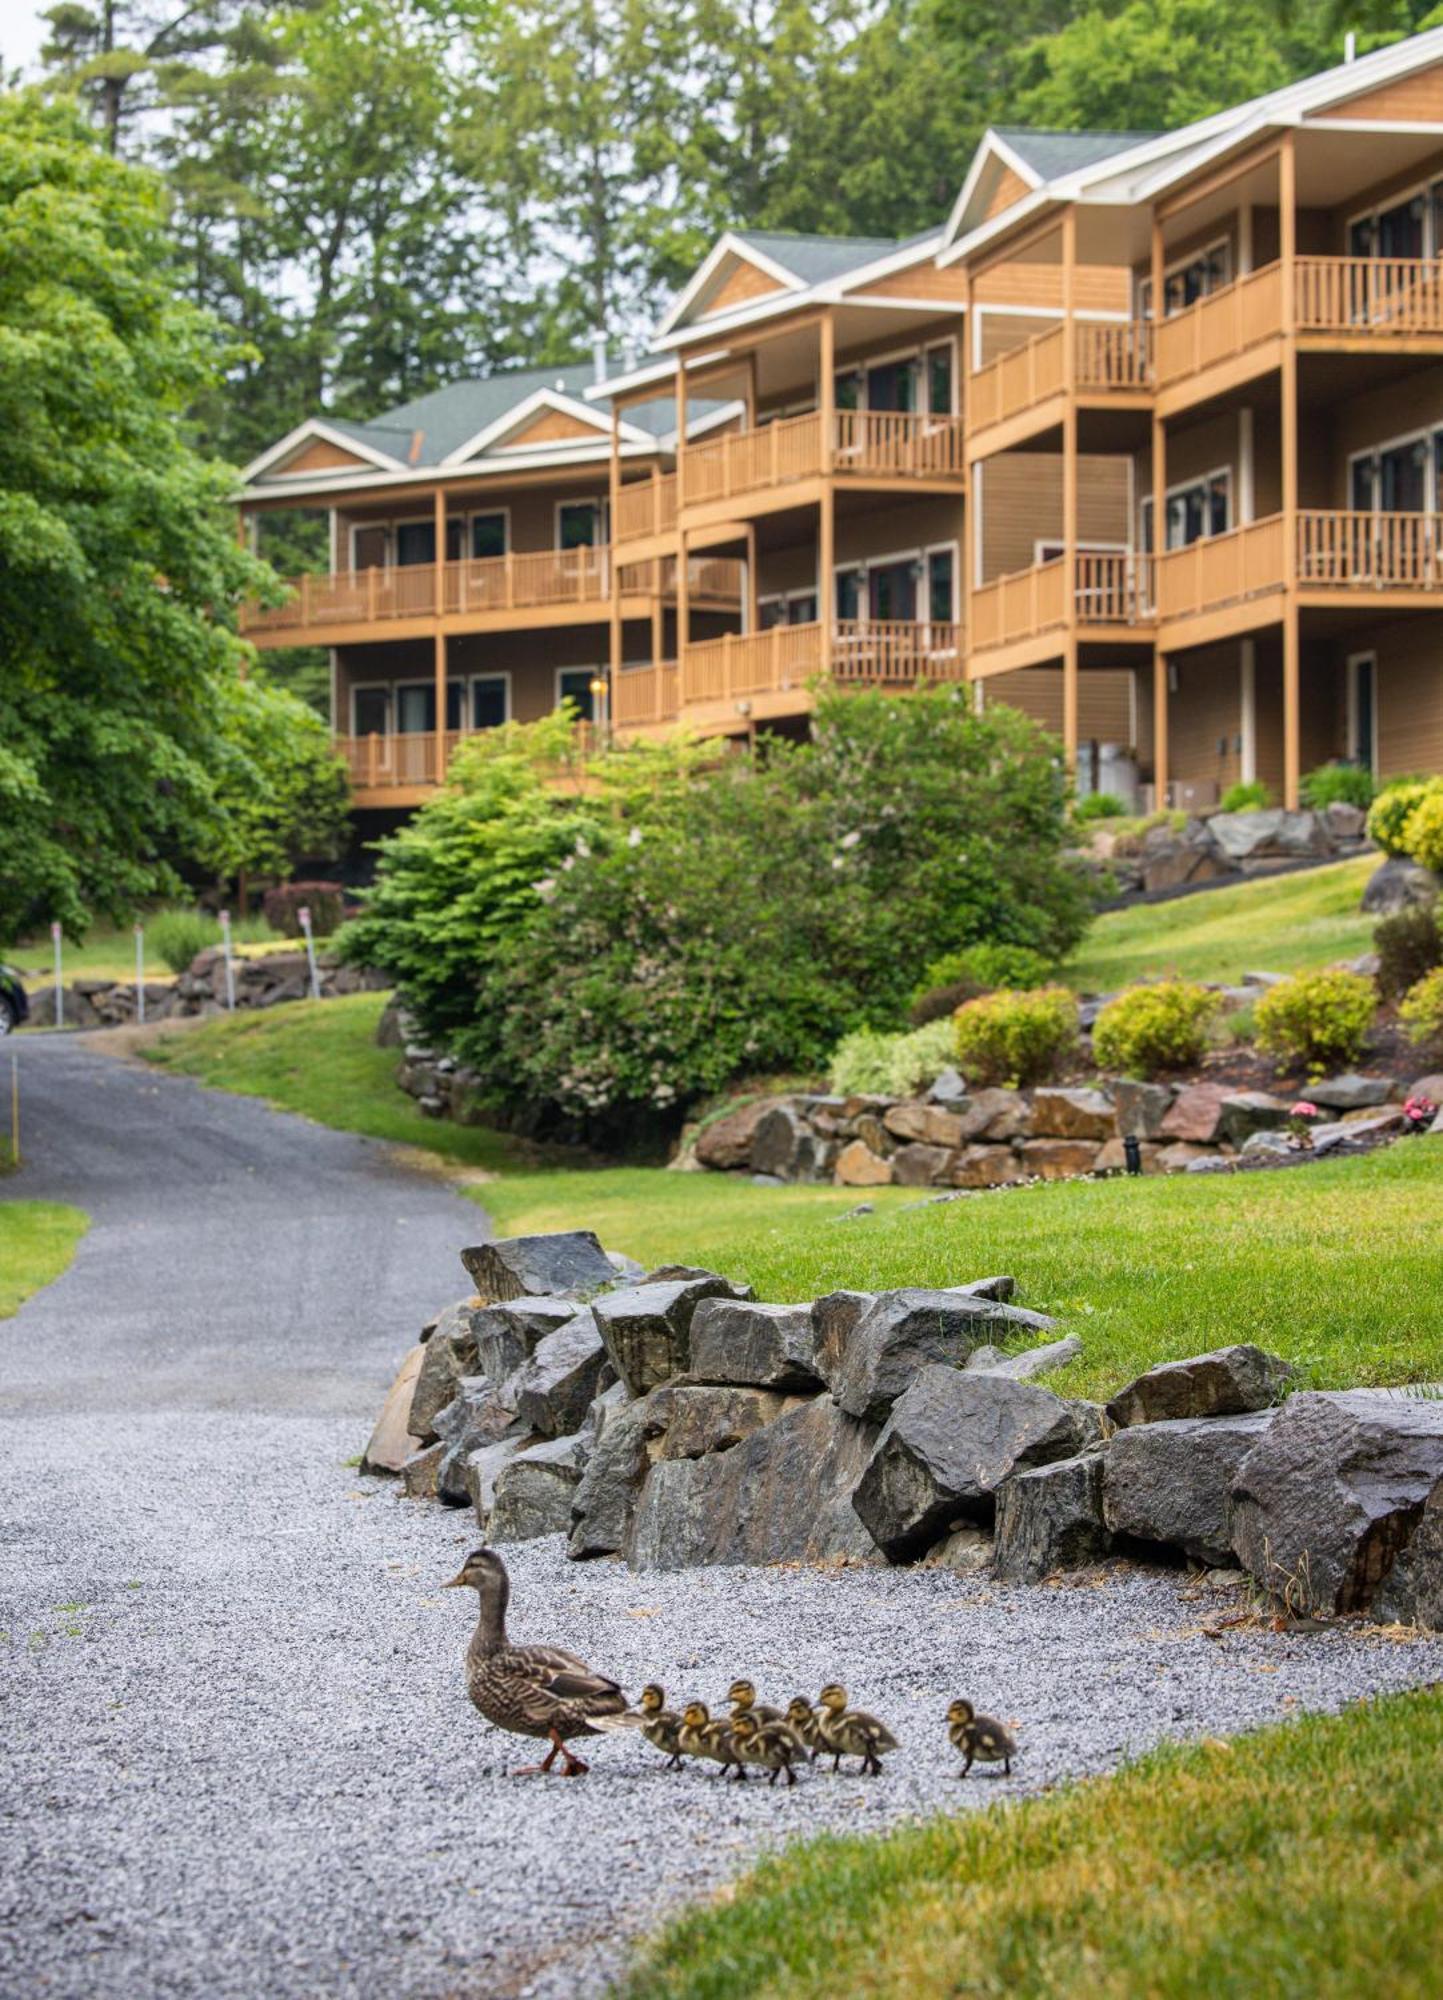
{"points": [[1050, 155]]}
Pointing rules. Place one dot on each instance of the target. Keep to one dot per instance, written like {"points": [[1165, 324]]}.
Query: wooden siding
{"points": [[1021, 502], [1409, 100], [1003, 331], [1205, 718], [1377, 415], [946, 284], [1104, 700], [744, 282], [554, 427], [1008, 187], [320, 455], [1096, 287]]}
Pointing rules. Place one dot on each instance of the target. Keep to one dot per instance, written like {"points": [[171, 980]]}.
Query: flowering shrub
{"points": [[1422, 1009], [980, 968], [1016, 1038], [1393, 809], [1420, 1113], [1315, 1018], [1153, 1028], [867, 1063], [1423, 835]]}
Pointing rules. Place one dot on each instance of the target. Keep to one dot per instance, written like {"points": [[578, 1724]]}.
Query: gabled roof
{"points": [[812, 260], [796, 266], [1050, 154]]}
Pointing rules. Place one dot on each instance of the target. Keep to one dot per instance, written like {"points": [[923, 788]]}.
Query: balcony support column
{"points": [[751, 616], [683, 596], [1288, 243], [1160, 666], [827, 387], [440, 643], [1159, 531], [826, 567], [1069, 491], [440, 563], [613, 574]]}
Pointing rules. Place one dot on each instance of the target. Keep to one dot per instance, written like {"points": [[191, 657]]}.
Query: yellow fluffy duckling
{"points": [[773, 1745], [743, 1698], [662, 1725], [851, 1732], [980, 1738], [700, 1736], [802, 1719]]}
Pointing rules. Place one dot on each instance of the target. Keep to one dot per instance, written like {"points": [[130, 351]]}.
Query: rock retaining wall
{"points": [[259, 982], [1220, 846], [674, 1420]]}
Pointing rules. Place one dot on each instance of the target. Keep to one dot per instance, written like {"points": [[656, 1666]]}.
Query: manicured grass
{"points": [[1337, 1266], [1277, 925], [37, 1241], [320, 1058], [1305, 1859]]}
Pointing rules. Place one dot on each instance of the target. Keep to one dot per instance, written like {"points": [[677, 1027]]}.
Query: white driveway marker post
{"points": [[305, 916], [229, 963], [59, 1002], [140, 974]]}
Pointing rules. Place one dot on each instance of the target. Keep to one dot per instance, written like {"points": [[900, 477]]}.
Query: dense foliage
{"points": [[1390, 816], [1149, 1029], [696, 914], [1016, 1038], [1319, 1019], [1337, 784], [1408, 943], [870, 1062], [1422, 1010]]}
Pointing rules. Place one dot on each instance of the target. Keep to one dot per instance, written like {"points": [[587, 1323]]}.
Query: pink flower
{"points": [[1418, 1110], [1304, 1110]]}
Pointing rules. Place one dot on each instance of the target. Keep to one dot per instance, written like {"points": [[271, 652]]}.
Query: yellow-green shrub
{"points": [[1016, 1038], [1391, 813], [1153, 1028], [1316, 1018], [1422, 1008], [1423, 835]]}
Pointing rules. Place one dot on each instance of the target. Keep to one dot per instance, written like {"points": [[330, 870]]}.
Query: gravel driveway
{"points": [[238, 1758]]}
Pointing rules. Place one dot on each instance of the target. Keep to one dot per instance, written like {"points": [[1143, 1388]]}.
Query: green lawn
{"points": [[320, 1058], [37, 1241], [1305, 1859], [1278, 925]]}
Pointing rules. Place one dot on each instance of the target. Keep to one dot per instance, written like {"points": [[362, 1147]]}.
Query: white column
{"points": [[1246, 478], [1248, 711]]}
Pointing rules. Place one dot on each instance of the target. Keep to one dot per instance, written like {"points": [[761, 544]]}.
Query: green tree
{"points": [[118, 563], [281, 793], [125, 56]]}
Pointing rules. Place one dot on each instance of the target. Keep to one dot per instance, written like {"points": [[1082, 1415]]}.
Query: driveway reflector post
{"points": [[14, 1108], [59, 1001], [305, 916], [229, 962], [140, 974]]}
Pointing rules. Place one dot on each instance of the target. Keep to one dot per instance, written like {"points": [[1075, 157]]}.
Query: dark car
{"points": [[14, 1007]]}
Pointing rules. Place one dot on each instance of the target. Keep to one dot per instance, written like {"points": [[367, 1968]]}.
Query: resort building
{"points": [[1146, 439]]}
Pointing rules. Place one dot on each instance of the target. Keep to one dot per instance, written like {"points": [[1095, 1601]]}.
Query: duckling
{"points": [[851, 1732], [662, 1726], [773, 1745], [700, 1736], [803, 1721], [980, 1738], [532, 1690], [743, 1698]]}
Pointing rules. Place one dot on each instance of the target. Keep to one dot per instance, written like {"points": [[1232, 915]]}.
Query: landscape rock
{"points": [[535, 1489], [726, 1144], [1195, 1114], [964, 1551], [605, 1499], [998, 1115], [1073, 1114], [1276, 1144], [1030, 1363], [902, 1331], [925, 1124], [391, 1442], [701, 1418], [1430, 1086], [858, 1166], [1324, 1503], [647, 1327], [569, 1263], [450, 1354], [419, 1472], [1249, 1111], [769, 1346], [1350, 1092], [1412, 1591], [1169, 1482], [1050, 1518], [950, 1089], [834, 1317], [1140, 1107], [987, 1166], [950, 1442], [1356, 1125], [553, 1389], [1399, 884], [1001, 1287], [1246, 835], [782, 1144], [920, 1166], [1059, 1159], [1345, 822], [1222, 1383], [1179, 1156], [781, 1495], [507, 1335], [480, 1469]]}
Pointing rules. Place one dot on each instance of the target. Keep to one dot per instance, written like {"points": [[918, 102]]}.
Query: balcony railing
{"points": [[646, 507], [1384, 296], [1221, 570], [1109, 356], [386, 763], [717, 579], [525, 582], [645, 694], [1111, 587], [1340, 550], [886, 653], [1224, 324]]}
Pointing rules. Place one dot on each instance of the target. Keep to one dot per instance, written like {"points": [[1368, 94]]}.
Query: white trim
{"points": [[1354, 661], [594, 500], [656, 373], [350, 484], [729, 244], [1427, 434], [593, 672], [1080, 548], [952, 548], [1247, 467], [502, 674], [1203, 479], [991, 146], [829, 291], [312, 430], [1248, 716], [520, 414]]}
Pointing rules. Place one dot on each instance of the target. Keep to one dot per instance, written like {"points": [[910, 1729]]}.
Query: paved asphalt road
{"points": [[236, 1762]]}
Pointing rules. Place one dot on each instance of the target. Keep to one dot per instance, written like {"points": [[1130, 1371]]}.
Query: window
{"points": [[1400, 478], [415, 542], [488, 535], [578, 524], [1362, 696], [1191, 278], [795, 607], [849, 593], [892, 385], [573, 684], [489, 701], [939, 381], [941, 601], [415, 708], [371, 711], [369, 547], [1194, 512], [892, 590], [1399, 231], [849, 389]]}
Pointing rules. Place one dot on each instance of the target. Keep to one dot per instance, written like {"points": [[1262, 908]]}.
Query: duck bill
{"points": [[454, 1582]]}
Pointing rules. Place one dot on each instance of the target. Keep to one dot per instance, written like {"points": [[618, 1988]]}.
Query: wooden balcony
{"points": [[1112, 359], [1112, 593], [713, 582]]}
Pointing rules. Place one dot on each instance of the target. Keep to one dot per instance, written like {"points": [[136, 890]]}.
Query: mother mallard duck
{"points": [[532, 1690]]}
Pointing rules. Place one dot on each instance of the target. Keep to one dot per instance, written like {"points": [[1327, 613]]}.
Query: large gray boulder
{"points": [[1222, 1383], [1140, 1107], [450, 1354], [901, 1332], [1245, 836], [1351, 1092], [476, 1417], [553, 1389], [1169, 1482], [948, 1445], [1073, 1114], [1029, 1363], [647, 1328], [1327, 1500], [1399, 884], [1050, 1518], [480, 1470], [834, 1317], [781, 1495], [785, 1145], [741, 1340], [1412, 1591], [700, 1418], [605, 1499], [507, 1335], [570, 1264], [535, 1490], [1247, 1112]]}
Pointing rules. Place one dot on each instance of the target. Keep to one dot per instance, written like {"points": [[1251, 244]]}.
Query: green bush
{"points": [[1392, 811], [1153, 1028], [1337, 784], [1422, 1009], [603, 959], [1100, 805], [868, 1063], [324, 900], [1240, 798], [1408, 945], [1016, 1038], [175, 936], [988, 966], [1318, 1019], [1423, 835]]}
